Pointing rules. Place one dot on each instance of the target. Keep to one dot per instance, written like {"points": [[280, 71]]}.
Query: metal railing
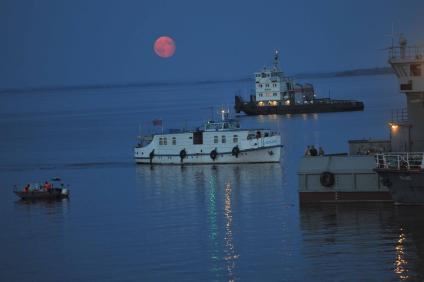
{"points": [[399, 115], [401, 161], [415, 53]]}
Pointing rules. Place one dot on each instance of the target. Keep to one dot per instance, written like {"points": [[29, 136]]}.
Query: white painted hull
{"points": [[260, 155]]}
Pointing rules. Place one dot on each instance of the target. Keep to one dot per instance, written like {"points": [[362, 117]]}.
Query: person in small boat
{"points": [[26, 188], [47, 186]]}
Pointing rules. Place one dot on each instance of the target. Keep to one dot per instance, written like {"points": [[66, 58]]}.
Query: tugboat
{"points": [[220, 142], [403, 172], [47, 191], [279, 94]]}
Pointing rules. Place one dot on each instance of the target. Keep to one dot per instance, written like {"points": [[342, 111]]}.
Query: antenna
{"points": [[276, 60], [392, 35]]}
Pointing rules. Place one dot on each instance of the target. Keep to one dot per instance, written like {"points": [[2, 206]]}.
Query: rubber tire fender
{"points": [[235, 151], [327, 179], [183, 154], [213, 154]]}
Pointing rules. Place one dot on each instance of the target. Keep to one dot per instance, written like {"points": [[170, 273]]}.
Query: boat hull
{"points": [[344, 197], [55, 193], [269, 154], [354, 180], [251, 108], [405, 186]]}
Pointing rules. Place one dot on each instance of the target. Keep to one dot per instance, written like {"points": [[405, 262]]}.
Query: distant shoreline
{"points": [[309, 75], [355, 72]]}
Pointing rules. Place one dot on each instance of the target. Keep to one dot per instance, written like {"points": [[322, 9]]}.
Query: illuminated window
{"points": [[235, 139], [215, 139], [223, 139]]}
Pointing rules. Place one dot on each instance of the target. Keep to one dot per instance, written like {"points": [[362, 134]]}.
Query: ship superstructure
{"points": [[273, 87], [402, 170], [214, 143]]}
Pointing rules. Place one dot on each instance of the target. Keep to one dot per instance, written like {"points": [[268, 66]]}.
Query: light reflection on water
{"points": [[401, 264], [231, 253], [339, 238]]}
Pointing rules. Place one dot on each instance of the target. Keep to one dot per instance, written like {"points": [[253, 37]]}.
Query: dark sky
{"points": [[80, 42]]}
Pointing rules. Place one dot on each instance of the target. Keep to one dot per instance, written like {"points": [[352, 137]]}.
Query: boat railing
{"points": [[399, 115], [400, 161], [406, 52], [332, 101]]}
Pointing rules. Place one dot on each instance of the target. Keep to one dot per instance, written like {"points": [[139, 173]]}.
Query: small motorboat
{"points": [[43, 192]]}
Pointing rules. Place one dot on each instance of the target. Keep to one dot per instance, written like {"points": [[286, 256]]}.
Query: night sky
{"points": [[81, 42]]}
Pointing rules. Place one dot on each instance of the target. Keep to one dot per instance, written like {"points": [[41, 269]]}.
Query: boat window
{"points": [[174, 141], [198, 137], [235, 139], [160, 141], [165, 142], [223, 139], [215, 139], [226, 126]]}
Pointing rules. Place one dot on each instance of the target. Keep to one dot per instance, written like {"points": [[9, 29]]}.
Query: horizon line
{"points": [[317, 75]]}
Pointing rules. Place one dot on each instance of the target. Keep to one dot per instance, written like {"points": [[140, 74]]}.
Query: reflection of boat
{"points": [[279, 94], [216, 143], [375, 233], [37, 192]]}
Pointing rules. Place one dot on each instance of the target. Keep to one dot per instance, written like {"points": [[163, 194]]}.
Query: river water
{"points": [[127, 222]]}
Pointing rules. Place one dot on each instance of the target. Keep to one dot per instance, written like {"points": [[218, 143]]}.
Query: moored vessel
{"points": [[377, 170], [219, 142], [403, 171], [276, 93]]}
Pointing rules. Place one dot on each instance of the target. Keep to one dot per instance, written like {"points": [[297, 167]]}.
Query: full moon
{"points": [[164, 47]]}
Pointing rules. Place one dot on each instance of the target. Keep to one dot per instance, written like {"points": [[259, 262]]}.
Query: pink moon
{"points": [[164, 47]]}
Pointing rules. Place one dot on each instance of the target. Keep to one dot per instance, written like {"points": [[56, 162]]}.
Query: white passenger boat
{"points": [[220, 142]]}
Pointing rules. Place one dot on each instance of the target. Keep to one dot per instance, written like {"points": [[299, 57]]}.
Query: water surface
{"points": [[125, 222]]}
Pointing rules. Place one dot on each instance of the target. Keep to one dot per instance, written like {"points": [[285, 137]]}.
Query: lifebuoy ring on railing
{"points": [[327, 179], [235, 151], [213, 154]]}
